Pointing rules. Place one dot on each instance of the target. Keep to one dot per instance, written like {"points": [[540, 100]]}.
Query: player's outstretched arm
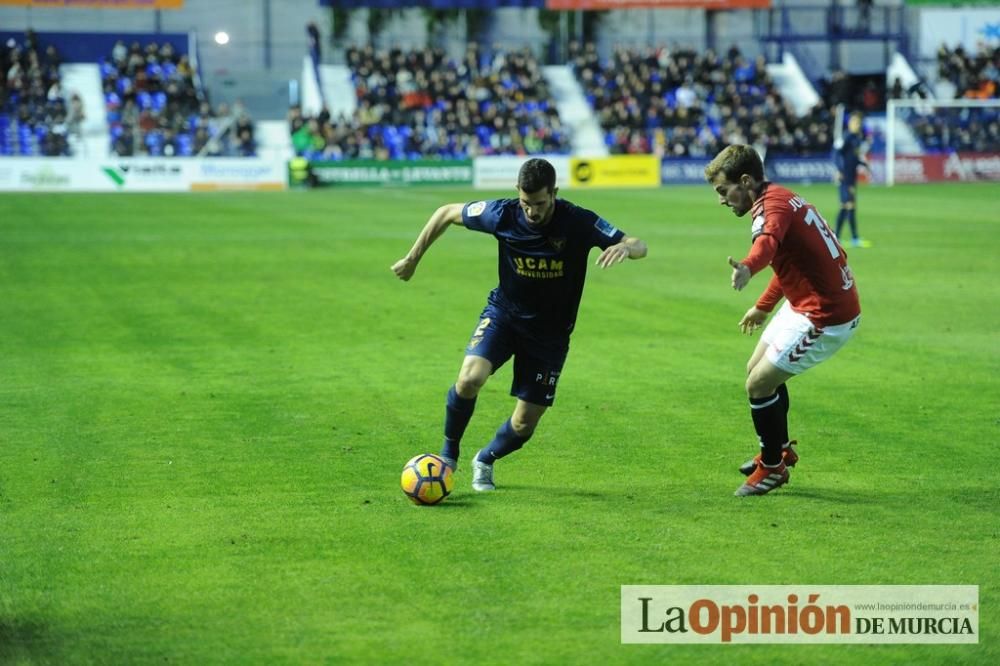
{"points": [[436, 225], [630, 247]]}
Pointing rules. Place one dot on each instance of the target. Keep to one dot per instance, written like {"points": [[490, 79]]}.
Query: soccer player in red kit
{"points": [[821, 309]]}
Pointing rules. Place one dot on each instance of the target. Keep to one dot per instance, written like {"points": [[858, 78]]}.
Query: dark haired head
{"points": [[536, 174]]}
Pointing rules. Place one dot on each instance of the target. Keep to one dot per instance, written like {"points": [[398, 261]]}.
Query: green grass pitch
{"points": [[206, 401]]}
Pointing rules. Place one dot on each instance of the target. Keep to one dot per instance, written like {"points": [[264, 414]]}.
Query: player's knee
{"points": [[469, 383], [757, 387]]}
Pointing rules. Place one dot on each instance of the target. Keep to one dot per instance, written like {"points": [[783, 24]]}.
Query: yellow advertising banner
{"points": [[96, 4], [617, 171]]}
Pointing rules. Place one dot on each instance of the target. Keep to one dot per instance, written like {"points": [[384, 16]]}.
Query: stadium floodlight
{"points": [[221, 38], [964, 147]]}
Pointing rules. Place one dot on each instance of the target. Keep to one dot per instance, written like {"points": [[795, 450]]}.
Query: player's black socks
{"points": [[852, 220], [771, 423], [783, 397], [457, 413], [841, 216], [505, 442]]}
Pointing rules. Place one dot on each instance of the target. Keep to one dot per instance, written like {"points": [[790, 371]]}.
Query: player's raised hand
{"points": [[741, 274], [615, 254], [404, 268]]}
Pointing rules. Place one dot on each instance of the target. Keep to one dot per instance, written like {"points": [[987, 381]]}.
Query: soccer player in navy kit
{"points": [[847, 159], [544, 243]]}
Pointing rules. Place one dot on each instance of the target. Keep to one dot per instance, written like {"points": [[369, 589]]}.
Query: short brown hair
{"points": [[536, 174], [734, 161]]}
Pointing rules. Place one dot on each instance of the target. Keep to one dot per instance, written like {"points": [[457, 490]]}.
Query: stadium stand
{"points": [[419, 103], [973, 76], [155, 107], [33, 111], [685, 104], [960, 76]]}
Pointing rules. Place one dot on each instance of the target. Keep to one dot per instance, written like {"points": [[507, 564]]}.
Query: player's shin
{"points": [[841, 216], [458, 411], [785, 404], [505, 442], [771, 423]]}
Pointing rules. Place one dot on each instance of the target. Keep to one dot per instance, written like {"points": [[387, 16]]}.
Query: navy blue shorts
{"points": [[847, 192], [538, 359]]}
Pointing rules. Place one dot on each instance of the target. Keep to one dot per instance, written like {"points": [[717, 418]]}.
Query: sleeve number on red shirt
{"points": [[814, 218]]}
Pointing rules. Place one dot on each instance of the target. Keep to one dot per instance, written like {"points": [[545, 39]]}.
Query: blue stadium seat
{"points": [[26, 141], [154, 143], [185, 144], [144, 100]]}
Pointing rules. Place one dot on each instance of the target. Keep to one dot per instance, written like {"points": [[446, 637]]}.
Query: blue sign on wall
{"points": [[800, 169]]}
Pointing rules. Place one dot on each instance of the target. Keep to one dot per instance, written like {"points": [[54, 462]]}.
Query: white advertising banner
{"points": [[138, 174], [500, 172]]}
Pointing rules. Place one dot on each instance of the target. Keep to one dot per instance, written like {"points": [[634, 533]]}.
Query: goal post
{"points": [[942, 140]]}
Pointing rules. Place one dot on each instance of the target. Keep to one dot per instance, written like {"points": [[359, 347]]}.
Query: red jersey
{"points": [[810, 266]]}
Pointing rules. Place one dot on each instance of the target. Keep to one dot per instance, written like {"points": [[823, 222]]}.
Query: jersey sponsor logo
{"points": [[606, 227], [475, 209], [539, 267]]}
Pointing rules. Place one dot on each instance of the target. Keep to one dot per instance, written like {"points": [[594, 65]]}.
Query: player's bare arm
{"points": [[752, 320], [741, 274], [630, 247], [438, 223]]}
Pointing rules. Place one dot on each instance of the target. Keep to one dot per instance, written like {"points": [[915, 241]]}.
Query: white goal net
{"points": [[940, 140]]}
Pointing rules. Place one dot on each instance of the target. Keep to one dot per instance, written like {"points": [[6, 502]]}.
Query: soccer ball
{"points": [[426, 479]]}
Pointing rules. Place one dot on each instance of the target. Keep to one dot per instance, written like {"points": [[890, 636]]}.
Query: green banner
{"points": [[378, 172]]}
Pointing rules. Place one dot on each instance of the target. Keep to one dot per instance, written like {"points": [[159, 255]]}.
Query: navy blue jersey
{"points": [[848, 158], [542, 268]]}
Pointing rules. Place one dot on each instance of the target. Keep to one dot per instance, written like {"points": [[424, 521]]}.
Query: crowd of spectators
{"points": [[155, 107], [964, 76], [35, 118], [680, 103], [420, 103], [975, 76], [974, 130]]}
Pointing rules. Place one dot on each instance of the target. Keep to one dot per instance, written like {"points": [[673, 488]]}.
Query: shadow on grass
{"points": [[558, 491], [24, 639], [466, 499], [835, 495]]}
